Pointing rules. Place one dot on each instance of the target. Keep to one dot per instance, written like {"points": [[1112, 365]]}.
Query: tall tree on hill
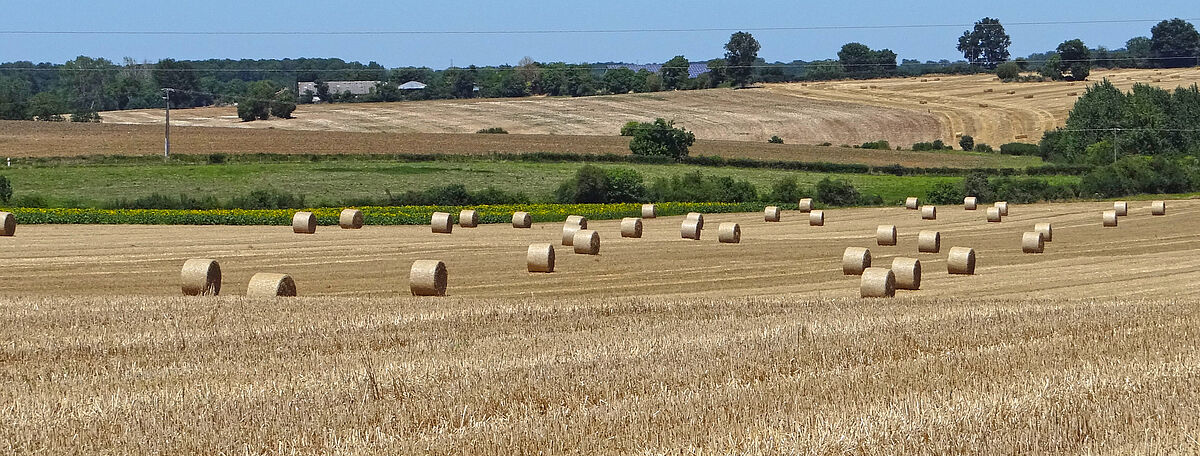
{"points": [[986, 44], [1175, 43], [675, 73], [1076, 58], [740, 53], [861, 61]]}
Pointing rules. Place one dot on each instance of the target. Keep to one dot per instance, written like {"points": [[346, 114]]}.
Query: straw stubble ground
{"points": [[656, 346]]}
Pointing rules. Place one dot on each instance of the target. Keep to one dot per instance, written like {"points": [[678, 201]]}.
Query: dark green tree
{"points": [[256, 104], [283, 104], [717, 69], [985, 45], [1076, 59], [675, 73], [860, 61], [661, 138], [740, 53], [14, 98], [621, 80], [1139, 52], [1008, 71], [967, 143], [47, 106], [181, 76], [1175, 43], [462, 81]]}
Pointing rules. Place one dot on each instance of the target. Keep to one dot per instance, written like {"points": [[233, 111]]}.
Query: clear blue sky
{"points": [[439, 50]]}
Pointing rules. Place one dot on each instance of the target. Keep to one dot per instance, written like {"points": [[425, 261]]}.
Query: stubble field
{"points": [[900, 110], [656, 346]]}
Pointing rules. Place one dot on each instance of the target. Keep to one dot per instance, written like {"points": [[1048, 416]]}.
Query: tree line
{"points": [[85, 85]]}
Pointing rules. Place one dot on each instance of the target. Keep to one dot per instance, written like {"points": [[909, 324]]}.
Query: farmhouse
{"points": [[354, 87]]}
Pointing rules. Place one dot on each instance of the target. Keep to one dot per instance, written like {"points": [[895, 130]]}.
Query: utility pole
{"points": [[1114, 141], [167, 132]]}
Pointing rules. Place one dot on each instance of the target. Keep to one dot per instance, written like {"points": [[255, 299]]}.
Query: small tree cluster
{"points": [[661, 138]]}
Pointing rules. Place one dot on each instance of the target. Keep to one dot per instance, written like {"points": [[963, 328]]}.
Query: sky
{"points": [[442, 50]]}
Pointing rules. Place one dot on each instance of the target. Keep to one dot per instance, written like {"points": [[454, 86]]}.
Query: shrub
{"points": [[787, 190], [625, 186], [268, 199], [878, 145], [629, 128], [836, 192], [217, 158], [825, 144], [981, 147], [977, 185], [967, 142], [661, 138], [946, 193], [696, 187], [775, 140], [283, 106], [1008, 71], [939, 145], [1018, 148], [921, 146], [5, 190], [493, 131], [592, 184], [87, 116]]}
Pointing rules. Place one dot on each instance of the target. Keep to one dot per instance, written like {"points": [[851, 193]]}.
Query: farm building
{"points": [[354, 87]]}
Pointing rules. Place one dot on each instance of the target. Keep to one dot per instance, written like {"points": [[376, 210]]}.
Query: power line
{"points": [[558, 31]]}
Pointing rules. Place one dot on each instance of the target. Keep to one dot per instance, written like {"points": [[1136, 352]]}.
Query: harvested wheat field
{"points": [[658, 345], [900, 110], [24, 139]]}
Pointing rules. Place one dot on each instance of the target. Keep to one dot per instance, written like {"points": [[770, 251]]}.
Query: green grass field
{"points": [[331, 182]]}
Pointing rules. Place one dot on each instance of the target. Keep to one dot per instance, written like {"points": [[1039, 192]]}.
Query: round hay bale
{"points": [[729, 233], [1110, 218], [540, 258], [806, 205], [970, 203], [855, 260], [816, 218], [8, 224], [698, 217], [304, 223], [441, 223], [993, 215], [468, 218], [1047, 231], [886, 235], [350, 219], [1032, 242], [586, 242], [928, 212], [649, 211], [568, 236], [1003, 206], [690, 229], [577, 220], [427, 278], [929, 242], [771, 214], [961, 261], [908, 273], [1122, 208], [201, 277], [1156, 208], [631, 227], [912, 203], [269, 285], [522, 220], [878, 283]]}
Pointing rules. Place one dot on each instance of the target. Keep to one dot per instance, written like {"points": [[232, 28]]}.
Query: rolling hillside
{"points": [[901, 110]]}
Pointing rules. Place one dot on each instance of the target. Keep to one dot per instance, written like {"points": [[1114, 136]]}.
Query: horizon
{"points": [[439, 36]]}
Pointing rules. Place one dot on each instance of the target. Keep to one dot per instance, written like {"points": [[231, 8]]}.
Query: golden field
{"points": [[658, 345], [900, 110]]}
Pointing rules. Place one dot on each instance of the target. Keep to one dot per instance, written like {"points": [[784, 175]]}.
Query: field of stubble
{"points": [[657, 346]]}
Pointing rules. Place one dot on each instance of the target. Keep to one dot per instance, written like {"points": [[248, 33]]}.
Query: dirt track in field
{"points": [[900, 110], [1144, 256]]}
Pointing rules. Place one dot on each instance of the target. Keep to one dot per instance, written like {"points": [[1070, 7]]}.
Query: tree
{"points": [[1008, 71], [860, 61], [323, 91], [621, 80], [86, 81], [1175, 43], [717, 69], [256, 105], [181, 76], [1052, 68], [1139, 51], [967, 143], [740, 53], [14, 98], [462, 81], [283, 105], [985, 45], [675, 72], [47, 106], [822, 70], [661, 138], [1075, 58]]}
